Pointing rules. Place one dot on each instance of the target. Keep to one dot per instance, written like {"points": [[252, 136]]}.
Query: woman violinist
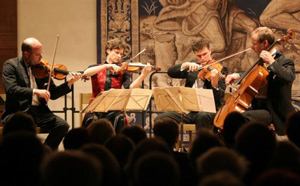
{"points": [[276, 105], [109, 75], [190, 71]]}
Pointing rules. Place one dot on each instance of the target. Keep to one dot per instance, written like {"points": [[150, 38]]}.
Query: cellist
{"points": [[275, 106]]}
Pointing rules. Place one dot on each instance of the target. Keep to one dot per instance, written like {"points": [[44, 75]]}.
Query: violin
{"points": [[42, 70], [133, 67], [205, 73]]}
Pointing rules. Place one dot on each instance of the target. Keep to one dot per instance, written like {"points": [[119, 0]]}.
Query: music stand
{"points": [[120, 99], [183, 100]]}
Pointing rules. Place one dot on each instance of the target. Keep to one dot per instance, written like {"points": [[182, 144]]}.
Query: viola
{"points": [[205, 73], [215, 64], [59, 72]]}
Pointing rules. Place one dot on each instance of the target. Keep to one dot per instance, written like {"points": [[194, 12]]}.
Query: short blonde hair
{"points": [[264, 33]]}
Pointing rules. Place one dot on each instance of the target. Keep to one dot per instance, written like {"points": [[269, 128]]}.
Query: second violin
{"points": [[134, 67]]}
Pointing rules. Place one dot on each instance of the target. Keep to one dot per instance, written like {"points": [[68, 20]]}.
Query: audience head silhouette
{"points": [[278, 177], [21, 154], [110, 165], [205, 140], [293, 128], [156, 168], [20, 121], [76, 138], [121, 146], [232, 123], [257, 143], [70, 168], [223, 178], [287, 156], [135, 132], [220, 159], [100, 130], [167, 129]]}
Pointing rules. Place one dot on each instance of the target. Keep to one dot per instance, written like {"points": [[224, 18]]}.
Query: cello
{"points": [[252, 81]]}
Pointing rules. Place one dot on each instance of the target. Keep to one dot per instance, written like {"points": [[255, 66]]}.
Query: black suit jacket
{"points": [[175, 72], [17, 87], [280, 81], [278, 101]]}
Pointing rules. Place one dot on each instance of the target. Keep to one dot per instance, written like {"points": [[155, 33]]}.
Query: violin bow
{"points": [[226, 57], [142, 51], [54, 54]]}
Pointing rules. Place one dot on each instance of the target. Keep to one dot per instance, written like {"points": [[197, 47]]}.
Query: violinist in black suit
{"points": [[190, 71], [26, 93], [275, 106]]}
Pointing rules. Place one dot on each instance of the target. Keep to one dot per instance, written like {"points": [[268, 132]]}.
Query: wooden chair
{"points": [[84, 99], [190, 128]]}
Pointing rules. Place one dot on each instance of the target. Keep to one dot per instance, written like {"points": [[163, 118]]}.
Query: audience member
{"points": [[69, 168], [205, 140], [278, 177], [220, 159], [146, 146], [150, 161], [110, 165], [293, 128], [76, 138], [156, 168], [100, 130], [287, 156], [223, 178], [21, 154], [168, 130], [20, 121], [121, 146], [257, 143], [135, 132], [149, 145], [232, 123]]}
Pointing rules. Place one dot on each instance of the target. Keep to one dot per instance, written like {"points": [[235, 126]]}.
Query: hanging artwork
{"points": [[166, 28]]}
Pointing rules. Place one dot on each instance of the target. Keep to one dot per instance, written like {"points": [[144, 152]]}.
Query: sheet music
{"points": [[184, 99], [165, 100], [139, 99], [120, 99]]}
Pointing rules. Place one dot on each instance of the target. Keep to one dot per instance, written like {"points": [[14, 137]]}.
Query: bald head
{"points": [[32, 51], [30, 43]]}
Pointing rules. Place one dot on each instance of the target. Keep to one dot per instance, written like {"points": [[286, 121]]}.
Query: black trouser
{"points": [[201, 119], [48, 122], [115, 117]]}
